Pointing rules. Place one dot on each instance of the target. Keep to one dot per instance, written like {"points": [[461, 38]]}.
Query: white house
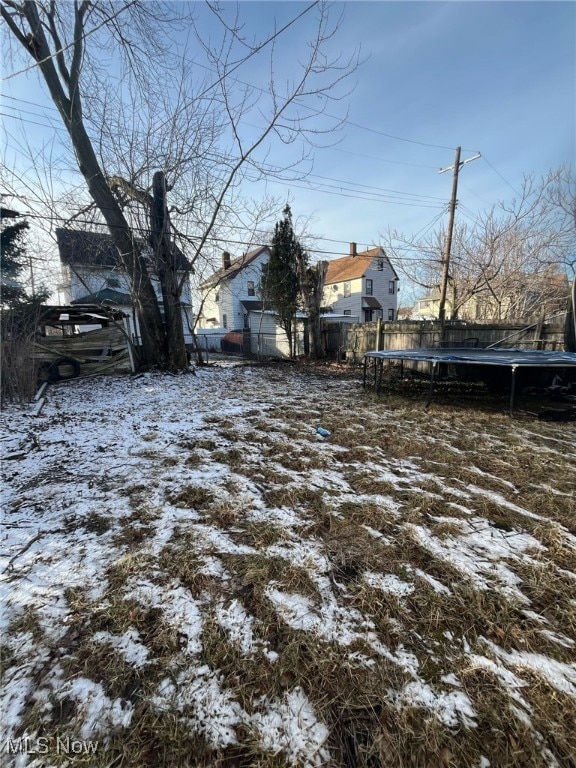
{"points": [[93, 274], [232, 292], [362, 285]]}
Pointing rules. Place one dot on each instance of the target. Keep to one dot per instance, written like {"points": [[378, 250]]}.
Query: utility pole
{"points": [[448, 247]]}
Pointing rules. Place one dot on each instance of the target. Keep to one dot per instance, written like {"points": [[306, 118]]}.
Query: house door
{"points": [[368, 315]]}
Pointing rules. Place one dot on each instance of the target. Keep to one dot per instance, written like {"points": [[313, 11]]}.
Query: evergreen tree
{"points": [[279, 287], [12, 254], [19, 313]]}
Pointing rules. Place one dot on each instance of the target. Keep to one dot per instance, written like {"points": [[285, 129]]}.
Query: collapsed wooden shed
{"points": [[81, 340]]}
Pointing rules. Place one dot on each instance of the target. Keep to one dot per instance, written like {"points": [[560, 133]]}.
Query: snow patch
{"points": [[388, 583], [452, 709], [291, 726]]}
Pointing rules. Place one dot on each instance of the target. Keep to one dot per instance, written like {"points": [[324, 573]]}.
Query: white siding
{"points": [[239, 290], [269, 339], [334, 292], [231, 293], [83, 280], [341, 303], [210, 309]]}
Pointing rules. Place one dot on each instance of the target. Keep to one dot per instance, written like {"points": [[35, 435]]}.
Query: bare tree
{"points": [[163, 117], [511, 262]]}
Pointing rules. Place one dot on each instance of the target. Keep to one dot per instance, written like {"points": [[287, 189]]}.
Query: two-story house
{"points": [[92, 273], [362, 285], [232, 292]]}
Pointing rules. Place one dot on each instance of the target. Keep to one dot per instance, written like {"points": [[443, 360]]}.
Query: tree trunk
{"points": [[570, 323], [289, 336], [312, 287], [167, 272], [318, 277], [142, 291], [70, 108]]}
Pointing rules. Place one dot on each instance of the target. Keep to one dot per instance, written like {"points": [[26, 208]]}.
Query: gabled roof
{"points": [[96, 249], [352, 267], [236, 266]]}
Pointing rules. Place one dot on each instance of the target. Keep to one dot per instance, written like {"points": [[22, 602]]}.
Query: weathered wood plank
{"points": [[99, 351]]}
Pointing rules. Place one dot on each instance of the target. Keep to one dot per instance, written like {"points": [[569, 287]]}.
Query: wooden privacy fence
{"points": [[350, 341]]}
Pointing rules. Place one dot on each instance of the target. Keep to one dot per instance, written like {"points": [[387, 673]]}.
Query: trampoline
{"points": [[508, 358]]}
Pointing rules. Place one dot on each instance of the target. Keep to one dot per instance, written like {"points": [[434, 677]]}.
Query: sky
{"points": [[497, 78]]}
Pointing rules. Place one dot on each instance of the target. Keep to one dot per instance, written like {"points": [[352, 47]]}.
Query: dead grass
{"points": [[191, 497], [352, 550], [260, 534], [93, 522], [257, 572], [374, 514], [309, 500], [363, 482], [442, 625]]}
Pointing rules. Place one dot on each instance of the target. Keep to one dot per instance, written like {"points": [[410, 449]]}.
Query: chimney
{"points": [[352, 249], [226, 260]]}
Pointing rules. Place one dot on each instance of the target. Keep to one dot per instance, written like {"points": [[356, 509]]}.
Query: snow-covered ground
{"points": [[190, 574]]}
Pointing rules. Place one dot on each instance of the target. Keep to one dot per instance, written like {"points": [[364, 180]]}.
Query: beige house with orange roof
{"points": [[362, 285]]}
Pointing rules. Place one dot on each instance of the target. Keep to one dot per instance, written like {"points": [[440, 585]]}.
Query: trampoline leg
{"points": [[512, 388], [431, 390], [380, 375]]}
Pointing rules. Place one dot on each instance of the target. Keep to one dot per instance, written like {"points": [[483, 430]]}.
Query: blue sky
{"points": [[499, 78], [493, 77]]}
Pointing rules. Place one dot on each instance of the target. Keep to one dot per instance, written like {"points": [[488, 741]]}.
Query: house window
{"points": [[380, 265], [112, 282], [217, 297], [390, 314], [334, 287], [347, 312], [251, 288], [391, 286], [369, 287], [347, 288], [225, 320]]}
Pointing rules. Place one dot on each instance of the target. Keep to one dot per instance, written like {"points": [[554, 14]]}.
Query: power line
{"points": [[429, 226], [376, 131], [333, 149], [267, 233], [211, 238], [374, 198], [58, 128], [381, 159], [258, 88], [346, 191], [381, 191], [366, 186], [470, 214], [500, 175]]}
